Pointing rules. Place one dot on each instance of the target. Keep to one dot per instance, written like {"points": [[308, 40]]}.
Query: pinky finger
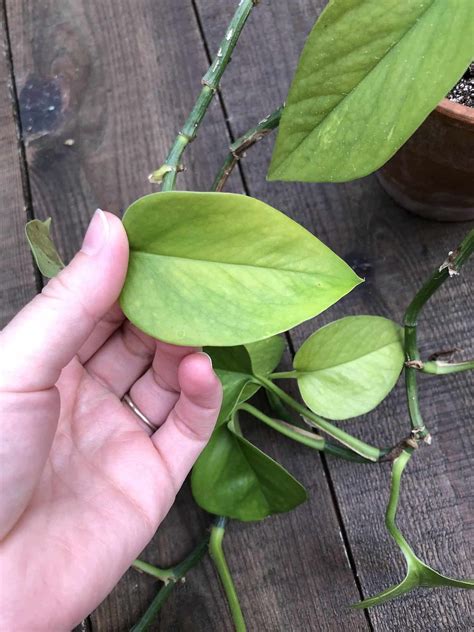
{"points": [[183, 436]]}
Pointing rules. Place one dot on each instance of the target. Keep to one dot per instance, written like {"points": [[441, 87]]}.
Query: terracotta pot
{"points": [[432, 174]]}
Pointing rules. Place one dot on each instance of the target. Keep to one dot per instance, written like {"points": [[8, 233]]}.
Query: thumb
{"points": [[35, 347], [44, 337]]}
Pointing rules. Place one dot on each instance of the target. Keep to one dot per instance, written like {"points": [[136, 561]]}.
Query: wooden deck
{"points": [[118, 77]]}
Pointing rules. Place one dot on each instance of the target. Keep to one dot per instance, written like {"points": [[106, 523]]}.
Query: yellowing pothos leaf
{"points": [[224, 269], [44, 251], [349, 366], [233, 478], [369, 74]]}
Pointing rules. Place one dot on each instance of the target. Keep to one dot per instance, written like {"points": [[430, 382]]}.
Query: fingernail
{"points": [[203, 353], [97, 234]]}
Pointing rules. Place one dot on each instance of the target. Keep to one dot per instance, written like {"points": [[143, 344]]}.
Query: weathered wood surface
{"points": [[17, 276], [119, 77]]}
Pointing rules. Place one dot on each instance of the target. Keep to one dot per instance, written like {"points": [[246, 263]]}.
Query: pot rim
{"points": [[456, 111]]}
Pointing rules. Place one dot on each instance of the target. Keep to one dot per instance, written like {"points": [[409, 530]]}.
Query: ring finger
{"points": [[156, 392]]}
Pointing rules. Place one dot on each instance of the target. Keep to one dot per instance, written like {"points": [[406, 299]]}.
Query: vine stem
{"points": [[398, 467], [240, 146], [216, 552], [356, 445], [164, 574], [179, 571], [210, 83], [454, 262], [437, 367], [302, 436]]}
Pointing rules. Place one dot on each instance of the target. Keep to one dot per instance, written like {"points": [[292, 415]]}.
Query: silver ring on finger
{"points": [[126, 399]]}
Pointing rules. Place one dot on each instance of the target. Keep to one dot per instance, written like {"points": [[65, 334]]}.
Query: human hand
{"points": [[83, 484]]}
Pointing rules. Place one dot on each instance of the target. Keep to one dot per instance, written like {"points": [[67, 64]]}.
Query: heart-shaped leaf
{"points": [[44, 251], [369, 74], [419, 574], [224, 269], [349, 366], [235, 367], [233, 478]]}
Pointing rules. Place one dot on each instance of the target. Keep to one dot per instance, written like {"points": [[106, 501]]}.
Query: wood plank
{"points": [[98, 76], [395, 252], [17, 277], [118, 78]]}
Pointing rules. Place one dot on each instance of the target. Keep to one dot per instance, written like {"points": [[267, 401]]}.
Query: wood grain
{"points": [[17, 277], [395, 252], [117, 79]]}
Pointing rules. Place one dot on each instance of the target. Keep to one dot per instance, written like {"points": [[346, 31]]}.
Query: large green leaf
{"points": [[224, 269], [369, 74], [349, 366], [234, 478], [235, 367], [44, 251]]}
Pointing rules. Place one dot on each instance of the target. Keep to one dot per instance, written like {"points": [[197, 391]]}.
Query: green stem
{"points": [[437, 367], [217, 554], [240, 146], [164, 574], [360, 447], [451, 266], [283, 375], [168, 171], [303, 436], [179, 571], [399, 465]]}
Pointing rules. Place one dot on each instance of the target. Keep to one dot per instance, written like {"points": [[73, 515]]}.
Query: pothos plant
{"points": [[231, 273]]}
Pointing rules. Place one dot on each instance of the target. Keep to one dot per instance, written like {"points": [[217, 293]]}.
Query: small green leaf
{"points": [[235, 367], [233, 387], [369, 74], [224, 269], [348, 367], [44, 251], [265, 355], [234, 478]]}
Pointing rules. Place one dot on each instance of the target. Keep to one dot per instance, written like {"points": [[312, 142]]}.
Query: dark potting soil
{"points": [[463, 91]]}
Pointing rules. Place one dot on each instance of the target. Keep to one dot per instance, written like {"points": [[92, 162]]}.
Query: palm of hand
{"points": [[97, 504], [106, 484]]}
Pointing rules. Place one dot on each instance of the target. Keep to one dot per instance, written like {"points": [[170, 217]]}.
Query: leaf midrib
{"points": [[347, 95], [341, 364], [240, 265]]}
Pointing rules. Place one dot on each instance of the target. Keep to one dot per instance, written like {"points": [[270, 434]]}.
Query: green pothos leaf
{"points": [[233, 478], [419, 574], [44, 251], [368, 76], [348, 367], [224, 269]]}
